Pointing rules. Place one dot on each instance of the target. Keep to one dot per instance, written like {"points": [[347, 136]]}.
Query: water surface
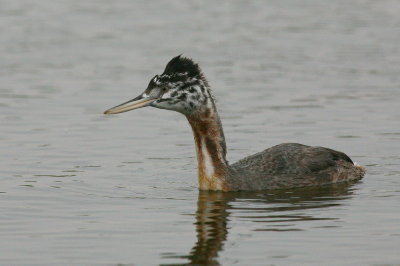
{"points": [[78, 187]]}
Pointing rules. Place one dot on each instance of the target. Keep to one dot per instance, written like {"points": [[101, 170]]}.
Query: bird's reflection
{"points": [[273, 207]]}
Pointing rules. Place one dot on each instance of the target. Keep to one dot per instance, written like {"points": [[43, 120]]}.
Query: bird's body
{"points": [[296, 165], [183, 88]]}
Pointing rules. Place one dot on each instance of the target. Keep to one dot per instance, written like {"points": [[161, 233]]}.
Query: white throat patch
{"points": [[208, 164]]}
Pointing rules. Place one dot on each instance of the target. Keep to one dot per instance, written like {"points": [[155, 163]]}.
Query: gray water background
{"points": [[78, 187]]}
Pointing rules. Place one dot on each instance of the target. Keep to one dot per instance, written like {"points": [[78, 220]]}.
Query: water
{"points": [[78, 187]]}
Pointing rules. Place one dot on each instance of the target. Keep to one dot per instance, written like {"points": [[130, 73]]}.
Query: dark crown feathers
{"points": [[182, 65]]}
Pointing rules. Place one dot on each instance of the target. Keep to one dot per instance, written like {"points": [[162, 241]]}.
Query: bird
{"points": [[183, 88]]}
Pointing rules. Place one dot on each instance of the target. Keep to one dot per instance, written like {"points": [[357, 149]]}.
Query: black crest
{"points": [[182, 65]]}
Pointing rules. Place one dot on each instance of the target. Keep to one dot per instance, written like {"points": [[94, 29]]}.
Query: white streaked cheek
{"points": [[167, 95], [179, 107], [163, 105]]}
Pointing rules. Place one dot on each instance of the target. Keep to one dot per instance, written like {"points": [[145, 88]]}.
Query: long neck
{"points": [[211, 149]]}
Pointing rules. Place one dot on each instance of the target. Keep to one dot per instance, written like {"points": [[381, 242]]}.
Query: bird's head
{"points": [[182, 87]]}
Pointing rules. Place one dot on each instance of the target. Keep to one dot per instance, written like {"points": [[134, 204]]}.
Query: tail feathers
{"points": [[361, 169]]}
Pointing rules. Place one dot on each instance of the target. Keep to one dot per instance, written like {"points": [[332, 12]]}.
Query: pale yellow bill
{"points": [[130, 105]]}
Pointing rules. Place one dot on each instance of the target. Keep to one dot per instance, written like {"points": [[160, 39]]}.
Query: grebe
{"points": [[182, 87]]}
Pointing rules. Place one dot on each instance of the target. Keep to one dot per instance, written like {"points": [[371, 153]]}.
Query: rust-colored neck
{"points": [[211, 150]]}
